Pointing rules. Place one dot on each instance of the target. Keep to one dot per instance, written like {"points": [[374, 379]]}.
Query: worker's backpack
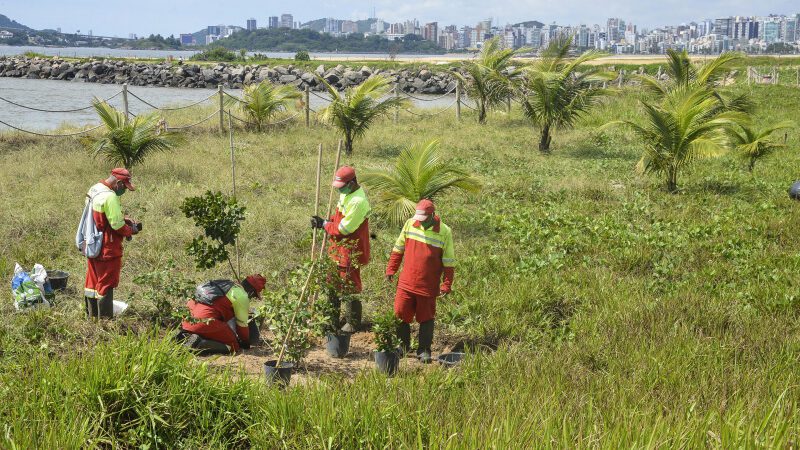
{"points": [[206, 293], [88, 238]]}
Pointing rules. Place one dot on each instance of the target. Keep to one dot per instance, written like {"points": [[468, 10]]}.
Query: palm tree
{"points": [[354, 112], [556, 93], [419, 172], [261, 102], [686, 125], [752, 144], [682, 72], [490, 80], [129, 142]]}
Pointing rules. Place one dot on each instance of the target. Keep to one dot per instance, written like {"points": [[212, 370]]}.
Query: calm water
{"points": [[87, 52], [62, 95]]}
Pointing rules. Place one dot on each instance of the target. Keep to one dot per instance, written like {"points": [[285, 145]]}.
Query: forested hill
{"points": [[5, 22], [283, 39]]}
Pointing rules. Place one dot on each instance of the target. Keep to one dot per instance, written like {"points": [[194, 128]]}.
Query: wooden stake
{"points": [[221, 109], [125, 101], [238, 273], [333, 190], [313, 262], [316, 200]]}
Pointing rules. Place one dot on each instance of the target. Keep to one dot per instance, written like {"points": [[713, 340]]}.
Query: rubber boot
{"points": [[106, 305], [207, 346], [425, 341], [91, 307], [352, 315], [404, 333]]}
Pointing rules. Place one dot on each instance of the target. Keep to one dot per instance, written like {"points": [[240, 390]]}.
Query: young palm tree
{"points": [[354, 112], [752, 144], [556, 93], [419, 172], [682, 72], [686, 125], [490, 80], [261, 102], [129, 142]]}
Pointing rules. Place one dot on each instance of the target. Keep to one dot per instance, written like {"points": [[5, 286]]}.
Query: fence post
{"points": [[396, 109], [458, 100], [748, 75], [308, 107], [125, 101], [621, 74], [221, 108]]}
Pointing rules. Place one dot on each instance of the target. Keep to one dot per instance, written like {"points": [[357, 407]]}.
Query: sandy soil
{"points": [[317, 363]]}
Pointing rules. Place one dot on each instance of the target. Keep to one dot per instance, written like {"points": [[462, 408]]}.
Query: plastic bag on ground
{"points": [[25, 290]]}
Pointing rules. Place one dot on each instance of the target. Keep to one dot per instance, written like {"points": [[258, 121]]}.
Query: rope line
{"points": [[470, 107], [266, 124], [432, 114], [50, 135], [238, 99], [176, 108], [430, 99], [57, 110], [321, 97], [194, 124]]}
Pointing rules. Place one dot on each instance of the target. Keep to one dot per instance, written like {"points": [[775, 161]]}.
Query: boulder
{"points": [[425, 75], [320, 70], [282, 70], [286, 79]]}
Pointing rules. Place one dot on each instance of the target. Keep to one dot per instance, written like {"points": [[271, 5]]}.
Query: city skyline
{"points": [[183, 16]]}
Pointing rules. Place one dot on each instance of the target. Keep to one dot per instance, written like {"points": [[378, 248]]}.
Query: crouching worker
{"points": [[426, 244], [219, 315]]}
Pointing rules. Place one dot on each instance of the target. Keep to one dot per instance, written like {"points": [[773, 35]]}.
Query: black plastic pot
{"points": [[255, 333], [337, 344], [58, 279], [450, 359], [387, 362], [281, 375]]}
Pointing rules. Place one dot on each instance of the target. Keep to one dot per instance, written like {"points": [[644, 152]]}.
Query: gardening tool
{"points": [[316, 201]]}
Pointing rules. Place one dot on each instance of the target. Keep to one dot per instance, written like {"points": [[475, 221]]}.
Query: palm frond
{"points": [[420, 171]]}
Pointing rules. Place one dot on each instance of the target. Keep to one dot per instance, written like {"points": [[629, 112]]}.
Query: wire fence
{"points": [[221, 109]]}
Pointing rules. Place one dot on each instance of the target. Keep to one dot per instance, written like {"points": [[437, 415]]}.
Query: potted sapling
{"points": [[387, 353], [337, 341], [281, 305]]}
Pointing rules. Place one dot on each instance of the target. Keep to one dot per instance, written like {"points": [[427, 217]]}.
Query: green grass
{"points": [[625, 316]]}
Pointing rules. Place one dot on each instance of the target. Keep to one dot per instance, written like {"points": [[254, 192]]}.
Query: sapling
{"points": [[221, 218], [163, 288], [385, 329]]}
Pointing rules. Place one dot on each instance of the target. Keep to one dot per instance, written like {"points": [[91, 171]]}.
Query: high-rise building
{"points": [[431, 32], [214, 30], [251, 24], [349, 27], [789, 31], [724, 26], [770, 29], [287, 21], [273, 22]]}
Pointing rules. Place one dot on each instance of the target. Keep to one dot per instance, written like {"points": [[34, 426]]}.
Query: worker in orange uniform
{"points": [[102, 271], [348, 230], [426, 244]]}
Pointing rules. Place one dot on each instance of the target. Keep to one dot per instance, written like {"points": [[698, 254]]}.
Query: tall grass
{"points": [[625, 316]]}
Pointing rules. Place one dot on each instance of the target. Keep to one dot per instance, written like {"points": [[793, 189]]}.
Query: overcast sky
{"points": [[119, 18]]}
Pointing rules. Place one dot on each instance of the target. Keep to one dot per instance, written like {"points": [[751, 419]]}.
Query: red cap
{"points": [[257, 282], [424, 209], [124, 176], [344, 175]]}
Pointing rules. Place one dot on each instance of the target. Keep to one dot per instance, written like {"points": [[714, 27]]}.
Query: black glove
{"points": [[317, 222]]}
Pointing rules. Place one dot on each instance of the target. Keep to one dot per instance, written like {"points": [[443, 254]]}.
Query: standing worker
{"points": [[102, 272], [427, 245], [219, 315], [349, 244]]}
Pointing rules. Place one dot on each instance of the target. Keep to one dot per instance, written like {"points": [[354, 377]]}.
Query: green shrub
{"points": [[302, 55]]}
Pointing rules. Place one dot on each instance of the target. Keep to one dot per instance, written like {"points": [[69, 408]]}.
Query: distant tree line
{"points": [[287, 40]]}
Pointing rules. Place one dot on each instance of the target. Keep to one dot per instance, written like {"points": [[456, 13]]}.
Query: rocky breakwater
{"points": [[210, 76]]}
